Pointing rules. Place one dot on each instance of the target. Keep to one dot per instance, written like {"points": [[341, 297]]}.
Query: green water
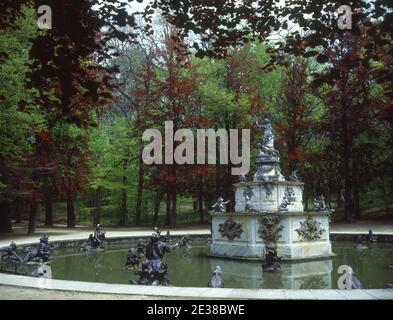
{"points": [[371, 266]]}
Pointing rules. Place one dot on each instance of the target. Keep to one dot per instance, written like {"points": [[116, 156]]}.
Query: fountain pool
{"points": [[370, 265]]}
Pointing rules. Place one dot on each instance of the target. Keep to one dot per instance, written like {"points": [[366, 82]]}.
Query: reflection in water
{"points": [[313, 282], [371, 266], [292, 276]]}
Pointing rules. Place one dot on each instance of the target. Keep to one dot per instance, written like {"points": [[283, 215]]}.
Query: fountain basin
{"points": [[247, 244]]}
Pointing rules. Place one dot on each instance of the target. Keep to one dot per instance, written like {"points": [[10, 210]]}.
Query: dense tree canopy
{"points": [[75, 100]]}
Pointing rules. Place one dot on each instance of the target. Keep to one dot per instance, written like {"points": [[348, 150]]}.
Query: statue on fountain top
{"points": [[266, 146], [268, 160]]}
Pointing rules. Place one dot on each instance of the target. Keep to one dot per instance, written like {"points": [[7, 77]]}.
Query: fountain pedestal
{"points": [[249, 246], [269, 214]]}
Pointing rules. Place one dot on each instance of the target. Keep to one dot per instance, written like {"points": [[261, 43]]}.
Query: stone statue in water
{"points": [[132, 260], [10, 254], [33, 254], [95, 241], [153, 270], [39, 253], [186, 243], [272, 261]]}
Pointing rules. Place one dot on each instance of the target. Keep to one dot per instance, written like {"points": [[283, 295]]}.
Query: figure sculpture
{"points": [[38, 253], [132, 260], [248, 194], [168, 237], [153, 270], [266, 146], [141, 247], [216, 281], [370, 238], [320, 205], [366, 240], [157, 230], [10, 254], [99, 234], [294, 176], [242, 178], [288, 199], [186, 243], [95, 241], [220, 205], [272, 261]]}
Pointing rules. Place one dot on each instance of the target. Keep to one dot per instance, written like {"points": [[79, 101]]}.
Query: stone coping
{"points": [[258, 183], [194, 292], [181, 292], [121, 236], [276, 213]]}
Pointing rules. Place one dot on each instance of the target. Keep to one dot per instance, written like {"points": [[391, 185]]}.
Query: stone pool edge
{"points": [[186, 292], [193, 292]]}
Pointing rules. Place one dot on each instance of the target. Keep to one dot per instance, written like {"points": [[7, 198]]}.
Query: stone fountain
{"points": [[269, 213]]}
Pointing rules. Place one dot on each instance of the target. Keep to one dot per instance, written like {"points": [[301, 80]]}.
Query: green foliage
{"points": [[19, 117]]}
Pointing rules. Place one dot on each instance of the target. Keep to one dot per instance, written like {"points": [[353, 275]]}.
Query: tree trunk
{"points": [[71, 212], [97, 205], [356, 191], [48, 211], [172, 221], [168, 209], [305, 201], [5, 219], [157, 204], [17, 210], [391, 167], [200, 207], [346, 139], [194, 204], [32, 217], [348, 201], [141, 177], [123, 205]]}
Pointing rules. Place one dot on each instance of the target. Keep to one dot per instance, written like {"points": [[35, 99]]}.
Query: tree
{"points": [[19, 117]]}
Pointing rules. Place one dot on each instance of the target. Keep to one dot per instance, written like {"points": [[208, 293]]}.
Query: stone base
{"points": [[291, 245]]}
